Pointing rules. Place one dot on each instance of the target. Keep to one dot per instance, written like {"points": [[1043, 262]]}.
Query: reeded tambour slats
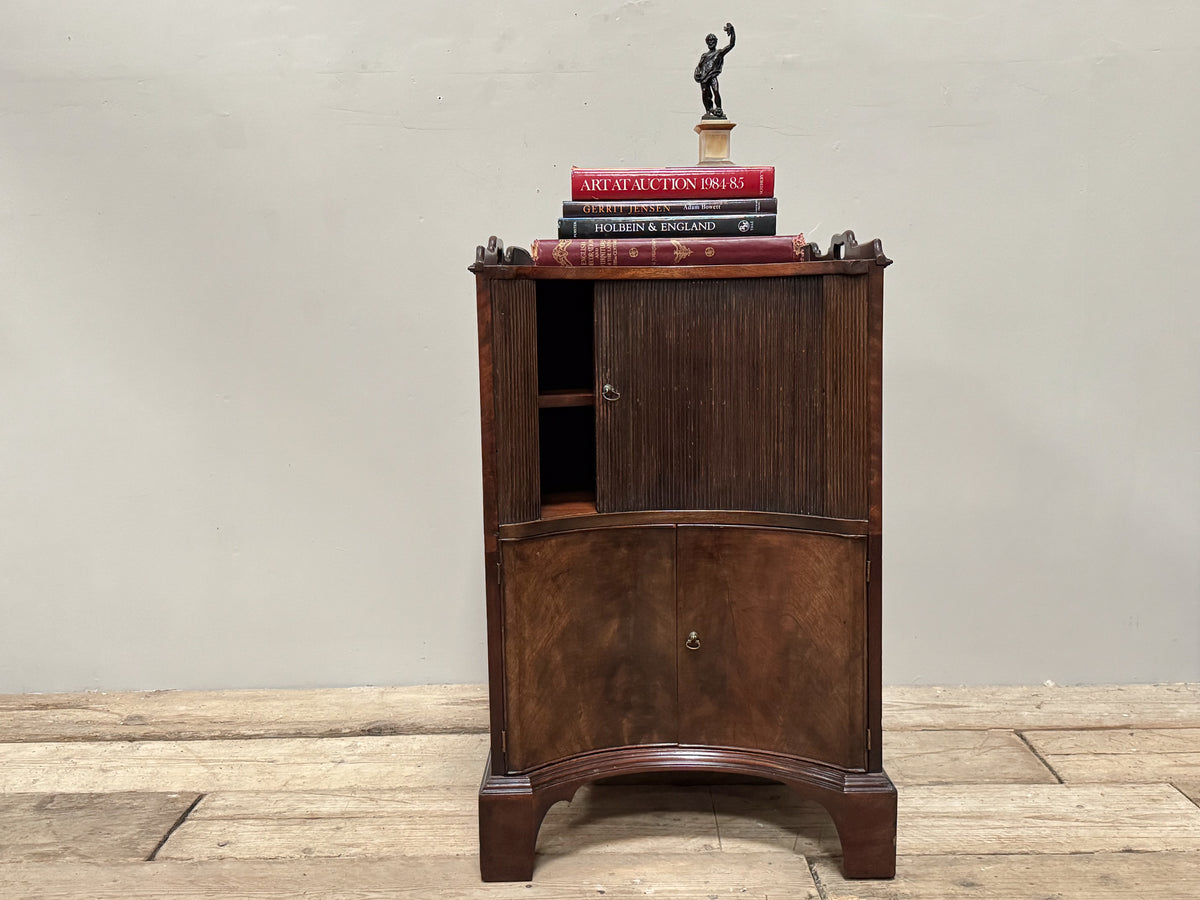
{"points": [[515, 336], [734, 394], [844, 345]]}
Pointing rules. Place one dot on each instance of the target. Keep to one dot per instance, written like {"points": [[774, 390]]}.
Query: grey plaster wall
{"points": [[238, 403]]}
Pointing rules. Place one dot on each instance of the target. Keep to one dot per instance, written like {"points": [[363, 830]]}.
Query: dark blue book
{"points": [[666, 226]]}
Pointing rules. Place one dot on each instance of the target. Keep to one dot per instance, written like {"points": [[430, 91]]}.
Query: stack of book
{"points": [[700, 215]]}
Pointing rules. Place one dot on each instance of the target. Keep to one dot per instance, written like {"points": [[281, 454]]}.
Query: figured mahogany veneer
{"points": [[780, 618], [683, 533], [599, 622]]}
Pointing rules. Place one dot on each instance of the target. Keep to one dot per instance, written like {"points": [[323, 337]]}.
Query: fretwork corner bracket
{"points": [[496, 254], [846, 246]]}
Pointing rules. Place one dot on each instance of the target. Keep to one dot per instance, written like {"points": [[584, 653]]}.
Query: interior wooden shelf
{"points": [[568, 503], [566, 397]]}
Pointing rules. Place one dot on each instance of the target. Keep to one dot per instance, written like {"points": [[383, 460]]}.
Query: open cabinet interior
{"points": [[566, 397]]}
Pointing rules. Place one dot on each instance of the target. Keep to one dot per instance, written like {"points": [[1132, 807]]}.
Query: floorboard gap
{"points": [[1195, 801], [1167, 726], [170, 831], [366, 732], [716, 819], [1040, 758], [816, 877]]}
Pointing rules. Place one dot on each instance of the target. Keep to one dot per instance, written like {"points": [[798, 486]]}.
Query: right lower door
{"points": [[778, 657]]}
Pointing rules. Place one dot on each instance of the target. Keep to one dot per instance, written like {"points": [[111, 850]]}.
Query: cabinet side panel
{"points": [[780, 619], [518, 479], [491, 548], [844, 377], [874, 368], [589, 633]]}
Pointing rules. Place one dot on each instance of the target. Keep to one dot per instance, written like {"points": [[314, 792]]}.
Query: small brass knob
{"points": [[693, 641], [608, 392]]}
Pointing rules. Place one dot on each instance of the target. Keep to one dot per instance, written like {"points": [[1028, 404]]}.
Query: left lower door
{"points": [[589, 642]]}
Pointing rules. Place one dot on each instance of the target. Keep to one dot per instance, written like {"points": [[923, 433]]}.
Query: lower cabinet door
{"points": [[589, 642], [778, 659]]}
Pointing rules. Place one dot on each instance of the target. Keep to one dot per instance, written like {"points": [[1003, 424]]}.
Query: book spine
{"points": [[697, 182], [720, 251], [666, 226], [573, 209]]}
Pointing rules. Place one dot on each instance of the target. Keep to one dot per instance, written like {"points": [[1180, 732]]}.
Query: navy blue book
{"points": [[666, 226]]}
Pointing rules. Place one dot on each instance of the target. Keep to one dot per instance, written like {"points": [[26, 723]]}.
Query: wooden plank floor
{"points": [[1014, 792]]}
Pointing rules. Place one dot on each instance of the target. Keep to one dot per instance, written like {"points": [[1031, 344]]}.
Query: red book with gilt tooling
{"points": [[716, 251]]}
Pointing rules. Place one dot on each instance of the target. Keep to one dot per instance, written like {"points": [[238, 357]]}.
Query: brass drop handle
{"points": [[693, 641], [608, 392]]}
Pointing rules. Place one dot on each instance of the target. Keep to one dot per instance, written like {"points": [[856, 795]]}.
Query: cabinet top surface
{"points": [[597, 273]]}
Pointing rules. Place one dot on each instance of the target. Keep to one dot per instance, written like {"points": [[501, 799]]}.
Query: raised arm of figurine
{"points": [[732, 39]]}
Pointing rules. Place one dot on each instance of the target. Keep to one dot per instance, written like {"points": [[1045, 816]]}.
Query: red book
{"points": [[694, 182], [715, 251]]}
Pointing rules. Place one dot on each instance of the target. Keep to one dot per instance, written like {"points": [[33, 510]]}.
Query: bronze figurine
{"points": [[707, 71]]}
